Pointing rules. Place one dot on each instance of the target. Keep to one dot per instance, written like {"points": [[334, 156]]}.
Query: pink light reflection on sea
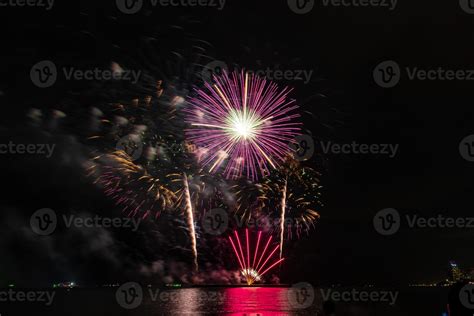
{"points": [[262, 301], [242, 301]]}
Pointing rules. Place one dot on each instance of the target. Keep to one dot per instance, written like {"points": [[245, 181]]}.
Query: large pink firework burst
{"points": [[242, 124]]}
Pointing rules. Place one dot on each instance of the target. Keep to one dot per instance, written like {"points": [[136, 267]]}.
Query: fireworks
{"points": [[190, 218], [291, 198], [130, 185], [239, 129], [253, 272], [247, 204], [241, 124]]}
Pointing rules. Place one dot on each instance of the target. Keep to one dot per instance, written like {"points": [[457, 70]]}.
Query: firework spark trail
{"points": [[240, 247], [270, 267], [242, 123], [264, 250], [268, 258], [291, 195], [190, 220], [236, 253], [248, 247], [282, 219], [252, 272], [247, 202], [130, 185], [256, 248]]}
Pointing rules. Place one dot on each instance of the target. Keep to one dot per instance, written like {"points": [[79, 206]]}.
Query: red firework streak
{"points": [[253, 272]]}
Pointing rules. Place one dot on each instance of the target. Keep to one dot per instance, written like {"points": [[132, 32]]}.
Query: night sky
{"points": [[341, 104]]}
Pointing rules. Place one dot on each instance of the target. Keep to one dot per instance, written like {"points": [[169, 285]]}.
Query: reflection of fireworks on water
{"points": [[291, 198], [241, 123], [252, 269]]}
